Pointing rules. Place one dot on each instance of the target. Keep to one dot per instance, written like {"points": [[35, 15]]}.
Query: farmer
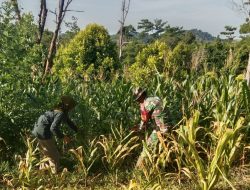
{"points": [[150, 108], [47, 126]]}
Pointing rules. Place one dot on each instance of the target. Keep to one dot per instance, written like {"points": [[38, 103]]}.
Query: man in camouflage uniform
{"points": [[151, 109]]}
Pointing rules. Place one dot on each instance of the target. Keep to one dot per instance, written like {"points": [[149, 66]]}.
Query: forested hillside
{"points": [[202, 81]]}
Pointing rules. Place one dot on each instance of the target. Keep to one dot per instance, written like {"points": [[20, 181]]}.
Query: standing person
{"points": [[47, 126], [150, 109]]}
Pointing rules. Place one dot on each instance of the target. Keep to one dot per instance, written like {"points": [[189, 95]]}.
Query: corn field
{"points": [[199, 79], [209, 119]]}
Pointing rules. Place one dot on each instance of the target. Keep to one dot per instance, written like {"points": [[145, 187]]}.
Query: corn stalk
{"points": [[222, 154], [86, 157]]}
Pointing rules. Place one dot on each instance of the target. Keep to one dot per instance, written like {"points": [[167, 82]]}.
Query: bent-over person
{"points": [[48, 126]]}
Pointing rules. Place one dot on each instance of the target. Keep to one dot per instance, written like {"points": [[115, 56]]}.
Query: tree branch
{"points": [[42, 20], [125, 9], [16, 8], [52, 50]]}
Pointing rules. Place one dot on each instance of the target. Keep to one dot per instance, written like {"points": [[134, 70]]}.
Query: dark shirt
{"points": [[48, 124]]}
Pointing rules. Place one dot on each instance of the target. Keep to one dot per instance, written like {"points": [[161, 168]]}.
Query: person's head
{"points": [[140, 94], [67, 103]]}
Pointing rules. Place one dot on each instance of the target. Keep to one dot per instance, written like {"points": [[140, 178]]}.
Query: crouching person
{"points": [[47, 127]]}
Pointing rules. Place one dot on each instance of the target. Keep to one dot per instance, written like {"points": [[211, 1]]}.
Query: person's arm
{"points": [[54, 128], [70, 123], [158, 116]]}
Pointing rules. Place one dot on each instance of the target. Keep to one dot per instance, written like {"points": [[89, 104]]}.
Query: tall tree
{"points": [[63, 8], [229, 32], [42, 20], [125, 9], [16, 8], [146, 26], [91, 53], [151, 30], [244, 7]]}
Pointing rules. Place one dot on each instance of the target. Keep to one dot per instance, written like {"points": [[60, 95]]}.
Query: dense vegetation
{"points": [[201, 82]]}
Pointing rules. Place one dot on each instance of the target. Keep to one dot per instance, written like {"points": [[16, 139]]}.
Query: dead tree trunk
{"points": [[248, 71], [52, 49], [125, 9], [42, 20], [16, 8]]}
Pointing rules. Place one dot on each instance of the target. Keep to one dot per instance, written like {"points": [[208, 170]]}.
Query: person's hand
{"points": [[66, 140], [135, 128]]}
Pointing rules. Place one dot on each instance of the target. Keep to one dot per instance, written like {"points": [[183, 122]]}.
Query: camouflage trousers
{"points": [[151, 143]]}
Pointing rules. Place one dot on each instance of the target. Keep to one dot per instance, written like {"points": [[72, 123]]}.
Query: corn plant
{"points": [[86, 157], [116, 148], [26, 165], [220, 158]]}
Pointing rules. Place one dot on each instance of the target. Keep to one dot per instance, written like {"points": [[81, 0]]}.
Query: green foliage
{"points": [[172, 36], [73, 29], [241, 54], [20, 59], [179, 60], [245, 28], [221, 157], [117, 148], [216, 54], [130, 51], [89, 53], [149, 61], [205, 109]]}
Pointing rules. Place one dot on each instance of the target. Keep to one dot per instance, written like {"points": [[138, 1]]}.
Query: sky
{"points": [[207, 15]]}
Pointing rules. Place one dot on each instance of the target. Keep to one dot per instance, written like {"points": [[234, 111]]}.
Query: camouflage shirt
{"points": [[152, 108]]}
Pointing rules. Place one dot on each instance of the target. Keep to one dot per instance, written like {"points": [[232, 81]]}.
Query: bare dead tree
{"points": [[125, 9], [16, 8], [42, 20], [242, 6], [63, 8]]}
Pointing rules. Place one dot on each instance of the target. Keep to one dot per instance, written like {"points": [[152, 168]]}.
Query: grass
{"points": [[239, 177]]}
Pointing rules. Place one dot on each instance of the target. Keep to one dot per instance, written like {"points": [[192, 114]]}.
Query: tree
{"points": [[149, 61], [151, 29], [130, 52], [216, 54], [229, 32], [172, 36], [245, 29], [17, 44], [89, 54], [129, 32], [73, 29], [19, 52], [125, 9], [179, 60], [188, 37], [63, 8], [16, 8], [42, 20], [146, 26], [159, 27]]}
